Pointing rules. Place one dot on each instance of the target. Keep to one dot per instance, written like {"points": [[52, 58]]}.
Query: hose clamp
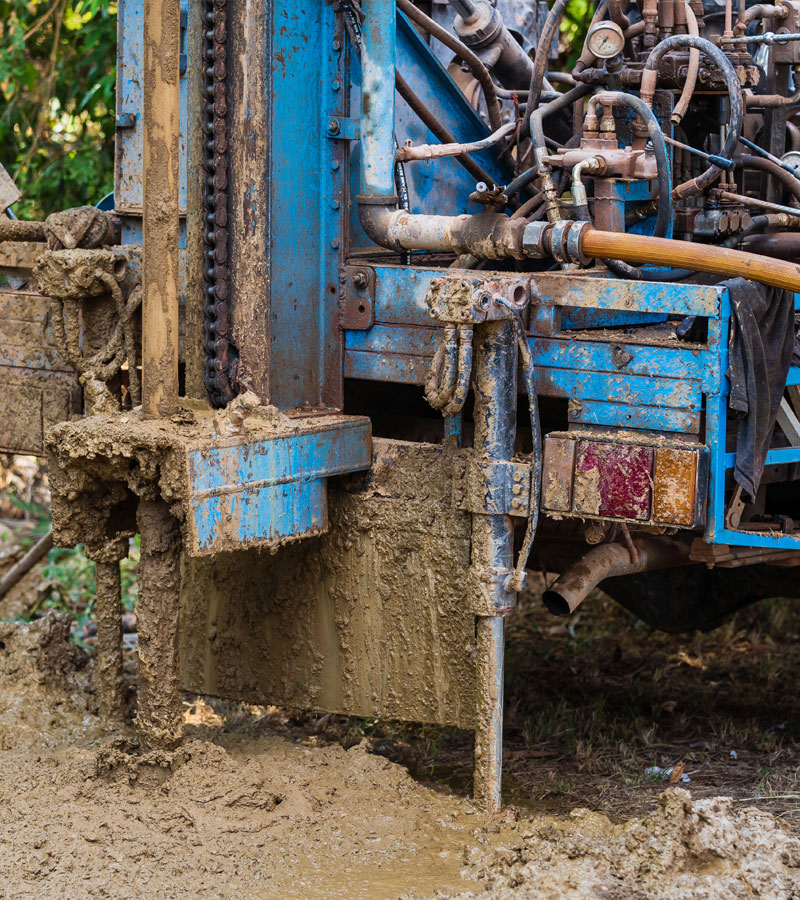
{"points": [[558, 240], [574, 252]]}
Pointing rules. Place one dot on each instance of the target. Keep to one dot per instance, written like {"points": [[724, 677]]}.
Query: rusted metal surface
{"points": [[161, 162], [558, 471], [609, 561], [263, 490], [19, 230], [357, 298]]}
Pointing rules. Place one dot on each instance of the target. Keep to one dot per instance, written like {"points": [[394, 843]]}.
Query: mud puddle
{"points": [[247, 815]]}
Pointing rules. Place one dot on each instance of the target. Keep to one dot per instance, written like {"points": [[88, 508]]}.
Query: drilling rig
{"points": [[389, 309]]}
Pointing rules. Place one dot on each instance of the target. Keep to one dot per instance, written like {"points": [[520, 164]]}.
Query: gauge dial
{"points": [[605, 40]]}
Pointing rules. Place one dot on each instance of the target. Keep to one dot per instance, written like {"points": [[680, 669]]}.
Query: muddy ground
{"points": [[259, 804]]}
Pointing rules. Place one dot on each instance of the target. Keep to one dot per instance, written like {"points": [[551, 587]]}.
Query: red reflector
{"points": [[613, 480]]}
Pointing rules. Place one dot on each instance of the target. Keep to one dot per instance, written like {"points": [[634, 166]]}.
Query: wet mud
{"points": [[253, 813]]}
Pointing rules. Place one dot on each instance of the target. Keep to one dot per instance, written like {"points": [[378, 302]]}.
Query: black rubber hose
{"points": [[788, 180], [542, 112], [539, 71], [736, 100]]}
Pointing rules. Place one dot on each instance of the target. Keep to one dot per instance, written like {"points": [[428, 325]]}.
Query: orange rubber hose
{"points": [[639, 249]]}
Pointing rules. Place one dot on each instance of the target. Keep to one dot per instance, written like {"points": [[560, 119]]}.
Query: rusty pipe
{"points": [[161, 159], [610, 561], [640, 249], [691, 73]]}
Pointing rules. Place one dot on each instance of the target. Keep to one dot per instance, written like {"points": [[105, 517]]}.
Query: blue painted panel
{"points": [[436, 186], [622, 415], [779, 456], [289, 457], [307, 200], [391, 367], [629, 296], [260, 514], [263, 489], [631, 390], [578, 319], [129, 141]]}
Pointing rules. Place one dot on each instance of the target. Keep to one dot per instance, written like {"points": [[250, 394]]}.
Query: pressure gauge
{"points": [[605, 40]]}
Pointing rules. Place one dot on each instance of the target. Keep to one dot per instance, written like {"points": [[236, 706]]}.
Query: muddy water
{"points": [[234, 815]]}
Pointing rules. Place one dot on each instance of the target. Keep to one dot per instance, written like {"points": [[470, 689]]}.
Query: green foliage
{"points": [[574, 25], [57, 88]]}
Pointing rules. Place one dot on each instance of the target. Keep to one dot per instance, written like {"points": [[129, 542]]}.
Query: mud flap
{"points": [[369, 619]]}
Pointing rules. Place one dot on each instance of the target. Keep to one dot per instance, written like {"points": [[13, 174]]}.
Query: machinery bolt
{"points": [[360, 280], [335, 243], [333, 126], [335, 86], [337, 45], [335, 204]]}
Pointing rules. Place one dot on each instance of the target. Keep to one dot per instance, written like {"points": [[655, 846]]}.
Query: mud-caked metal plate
{"points": [[368, 619]]}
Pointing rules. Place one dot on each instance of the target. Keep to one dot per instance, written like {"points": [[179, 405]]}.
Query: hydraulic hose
{"points": [[546, 36], [640, 249], [542, 112], [736, 102], [788, 180], [461, 50], [691, 73]]}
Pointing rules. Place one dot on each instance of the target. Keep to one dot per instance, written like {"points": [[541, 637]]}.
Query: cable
{"points": [[516, 581]]}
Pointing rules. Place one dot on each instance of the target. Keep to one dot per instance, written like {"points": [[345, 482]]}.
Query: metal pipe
{"points": [[476, 65], [161, 121], [639, 249], [377, 100], [495, 386], [610, 561], [436, 151], [436, 128], [759, 204]]}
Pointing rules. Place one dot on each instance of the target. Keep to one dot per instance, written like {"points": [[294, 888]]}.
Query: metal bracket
{"points": [[469, 301], [357, 298], [342, 129], [488, 488]]}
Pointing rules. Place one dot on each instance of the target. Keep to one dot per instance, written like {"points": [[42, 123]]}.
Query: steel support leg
{"points": [[159, 711], [492, 548]]}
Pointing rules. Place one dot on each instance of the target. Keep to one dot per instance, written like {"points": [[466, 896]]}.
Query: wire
{"points": [[516, 581]]}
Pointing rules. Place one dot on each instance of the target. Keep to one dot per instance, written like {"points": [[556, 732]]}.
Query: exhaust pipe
{"points": [[610, 561]]}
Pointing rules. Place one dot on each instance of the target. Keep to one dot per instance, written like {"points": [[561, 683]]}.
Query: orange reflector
{"points": [[675, 489]]}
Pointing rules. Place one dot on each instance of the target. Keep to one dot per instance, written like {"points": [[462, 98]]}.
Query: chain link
{"points": [[221, 359]]}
